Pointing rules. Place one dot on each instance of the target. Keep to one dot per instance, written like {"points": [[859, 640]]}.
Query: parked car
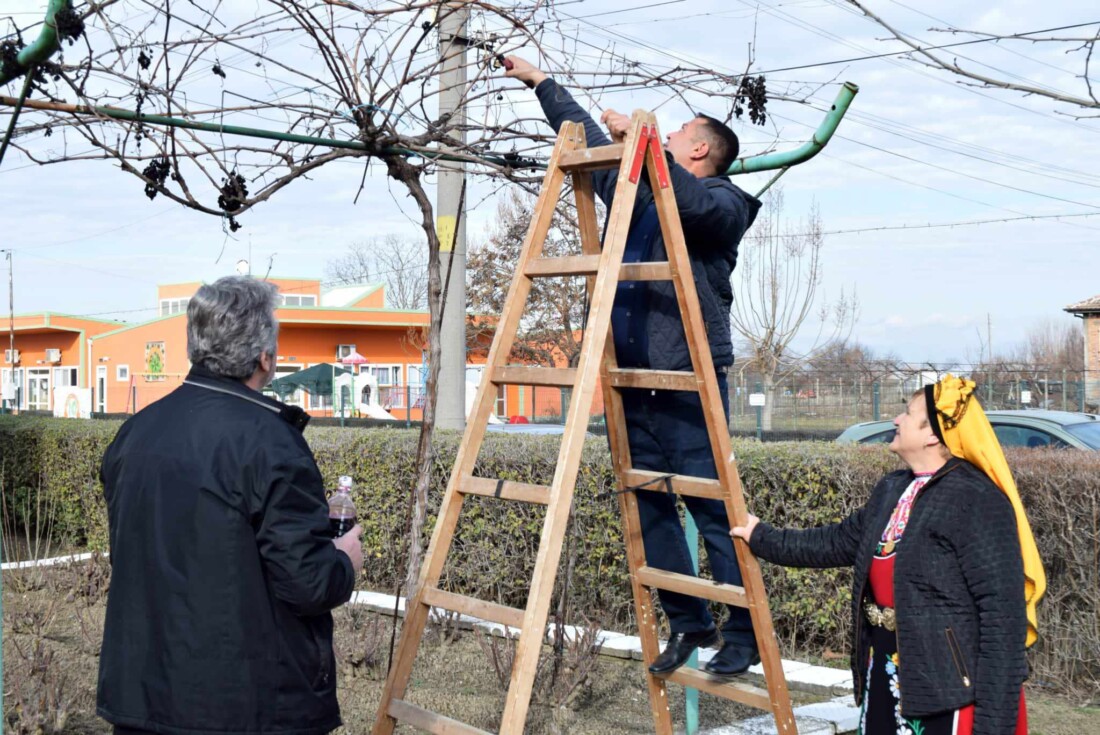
{"points": [[1028, 428]]}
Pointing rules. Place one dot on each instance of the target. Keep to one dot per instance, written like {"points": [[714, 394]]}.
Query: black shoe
{"points": [[680, 648], [732, 660]]}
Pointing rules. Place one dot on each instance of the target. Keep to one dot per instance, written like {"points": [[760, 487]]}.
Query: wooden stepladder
{"points": [[641, 153]]}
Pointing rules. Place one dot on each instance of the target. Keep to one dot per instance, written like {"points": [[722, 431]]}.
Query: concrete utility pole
{"points": [[11, 314], [451, 221]]}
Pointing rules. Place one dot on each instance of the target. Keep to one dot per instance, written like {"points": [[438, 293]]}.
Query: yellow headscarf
{"points": [[962, 426]]}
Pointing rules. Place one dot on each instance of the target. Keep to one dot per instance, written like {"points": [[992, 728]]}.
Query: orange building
{"points": [[128, 366], [50, 353]]}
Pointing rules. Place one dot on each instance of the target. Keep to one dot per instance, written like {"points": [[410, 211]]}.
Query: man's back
{"points": [[223, 574]]}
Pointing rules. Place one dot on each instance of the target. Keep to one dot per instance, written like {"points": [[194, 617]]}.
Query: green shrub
{"points": [[792, 484]]}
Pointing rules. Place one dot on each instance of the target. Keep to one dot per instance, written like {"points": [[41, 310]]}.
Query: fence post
{"points": [[876, 392], [133, 402], [759, 413]]}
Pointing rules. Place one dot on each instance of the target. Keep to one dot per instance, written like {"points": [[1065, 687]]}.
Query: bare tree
{"points": [[554, 317], [1050, 353], [398, 262], [1081, 42], [170, 94], [776, 286]]}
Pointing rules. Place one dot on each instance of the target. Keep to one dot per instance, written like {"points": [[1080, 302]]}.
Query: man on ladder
{"points": [[666, 429]]}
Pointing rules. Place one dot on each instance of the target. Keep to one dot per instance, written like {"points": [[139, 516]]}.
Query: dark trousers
{"points": [[667, 433]]}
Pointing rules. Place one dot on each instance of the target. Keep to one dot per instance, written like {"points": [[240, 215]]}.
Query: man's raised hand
{"points": [[617, 124], [523, 70]]}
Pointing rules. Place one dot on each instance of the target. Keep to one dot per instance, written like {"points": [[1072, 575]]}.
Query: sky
{"points": [[918, 148]]}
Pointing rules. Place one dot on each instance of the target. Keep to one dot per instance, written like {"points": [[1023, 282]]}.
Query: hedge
{"points": [[794, 484]]}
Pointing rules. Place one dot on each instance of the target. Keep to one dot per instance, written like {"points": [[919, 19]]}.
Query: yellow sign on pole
{"points": [[445, 231]]}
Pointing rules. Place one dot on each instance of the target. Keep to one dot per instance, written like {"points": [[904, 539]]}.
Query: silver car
{"points": [[1039, 428]]}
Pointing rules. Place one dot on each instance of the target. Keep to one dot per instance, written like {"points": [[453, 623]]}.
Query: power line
{"points": [[923, 48], [934, 225]]}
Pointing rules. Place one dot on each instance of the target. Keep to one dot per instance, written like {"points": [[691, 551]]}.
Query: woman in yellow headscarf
{"points": [[946, 576]]}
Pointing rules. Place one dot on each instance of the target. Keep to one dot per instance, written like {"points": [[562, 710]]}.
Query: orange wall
{"points": [[177, 290], [376, 299], [32, 348], [309, 343], [304, 286], [345, 316], [128, 347]]}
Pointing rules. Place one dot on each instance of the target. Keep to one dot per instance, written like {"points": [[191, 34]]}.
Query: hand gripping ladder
{"points": [[641, 153]]}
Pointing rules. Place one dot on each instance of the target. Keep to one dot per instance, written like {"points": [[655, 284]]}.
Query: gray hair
{"points": [[230, 322]]}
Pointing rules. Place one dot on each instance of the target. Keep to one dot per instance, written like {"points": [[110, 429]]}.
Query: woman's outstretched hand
{"points": [[745, 532]]}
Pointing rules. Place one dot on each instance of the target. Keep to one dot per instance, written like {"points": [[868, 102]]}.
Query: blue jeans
{"points": [[667, 433]]}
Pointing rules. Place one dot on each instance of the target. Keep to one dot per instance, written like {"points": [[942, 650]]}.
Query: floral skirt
{"points": [[882, 704]]}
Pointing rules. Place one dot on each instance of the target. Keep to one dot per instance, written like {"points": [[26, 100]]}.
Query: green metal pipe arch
{"points": [[42, 48], [786, 159]]}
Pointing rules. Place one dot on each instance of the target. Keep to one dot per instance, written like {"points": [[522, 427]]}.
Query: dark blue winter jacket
{"points": [[714, 215]]}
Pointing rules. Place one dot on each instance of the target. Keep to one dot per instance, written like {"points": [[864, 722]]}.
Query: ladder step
{"points": [[653, 379], [656, 271], [429, 721], [591, 159], [698, 487], [557, 377], [510, 616], [688, 585], [735, 690], [588, 265], [507, 490], [569, 265]]}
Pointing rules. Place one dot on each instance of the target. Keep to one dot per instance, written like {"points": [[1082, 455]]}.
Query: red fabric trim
{"points": [[882, 580]]}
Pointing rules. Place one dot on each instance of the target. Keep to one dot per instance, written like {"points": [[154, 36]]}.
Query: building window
{"points": [[319, 401], [122, 372], [386, 374], [168, 307], [297, 300], [64, 377]]}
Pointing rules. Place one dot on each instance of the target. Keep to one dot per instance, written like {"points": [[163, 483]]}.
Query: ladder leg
{"points": [[644, 610], [416, 613], [589, 367], [718, 429]]}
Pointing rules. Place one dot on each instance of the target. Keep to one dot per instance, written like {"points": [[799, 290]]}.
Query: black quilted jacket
{"points": [[714, 214], [958, 589]]}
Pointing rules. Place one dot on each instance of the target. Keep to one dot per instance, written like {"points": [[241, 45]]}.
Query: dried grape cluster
{"points": [[232, 197], [754, 93], [70, 26], [157, 171]]}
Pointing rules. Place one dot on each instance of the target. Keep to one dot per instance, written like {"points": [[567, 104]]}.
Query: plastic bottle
{"points": [[341, 509]]}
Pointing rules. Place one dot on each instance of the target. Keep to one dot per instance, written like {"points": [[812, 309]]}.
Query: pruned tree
{"points": [[1078, 39], [776, 292], [169, 93], [554, 317], [398, 262]]}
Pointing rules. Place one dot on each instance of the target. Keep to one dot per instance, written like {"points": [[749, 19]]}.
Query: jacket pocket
{"points": [[956, 654]]}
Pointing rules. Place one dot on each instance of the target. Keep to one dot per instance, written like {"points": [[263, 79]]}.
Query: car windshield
{"points": [[1088, 432]]}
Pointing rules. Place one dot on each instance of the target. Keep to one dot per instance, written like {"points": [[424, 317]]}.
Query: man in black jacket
{"points": [[666, 429], [223, 570]]}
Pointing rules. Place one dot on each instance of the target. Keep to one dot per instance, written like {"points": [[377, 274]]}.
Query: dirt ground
{"points": [[52, 626]]}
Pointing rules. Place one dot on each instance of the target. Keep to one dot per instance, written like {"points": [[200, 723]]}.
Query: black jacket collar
{"points": [[201, 377]]}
